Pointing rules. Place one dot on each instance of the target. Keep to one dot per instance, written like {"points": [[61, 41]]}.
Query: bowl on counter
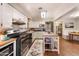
{"points": [[4, 37]]}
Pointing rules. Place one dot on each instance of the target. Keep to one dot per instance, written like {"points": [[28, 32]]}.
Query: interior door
{"points": [[60, 30]]}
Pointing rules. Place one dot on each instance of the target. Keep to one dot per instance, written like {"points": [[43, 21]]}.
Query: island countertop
{"points": [[7, 42]]}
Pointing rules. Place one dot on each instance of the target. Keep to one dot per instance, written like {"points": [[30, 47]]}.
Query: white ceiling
{"points": [[55, 10]]}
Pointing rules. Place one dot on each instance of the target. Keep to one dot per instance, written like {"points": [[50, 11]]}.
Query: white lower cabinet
{"points": [[51, 43]]}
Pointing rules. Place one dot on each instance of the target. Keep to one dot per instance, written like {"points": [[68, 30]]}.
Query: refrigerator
{"points": [[49, 26]]}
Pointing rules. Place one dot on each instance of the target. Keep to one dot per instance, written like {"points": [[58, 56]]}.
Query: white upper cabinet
{"points": [[0, 14], [7, 15]]}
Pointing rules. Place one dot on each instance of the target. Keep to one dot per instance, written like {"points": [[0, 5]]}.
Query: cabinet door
{"points": [[0, 14], [7, 15]]}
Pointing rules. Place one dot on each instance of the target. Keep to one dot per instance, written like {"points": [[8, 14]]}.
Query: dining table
{"points": [[72, 34]]}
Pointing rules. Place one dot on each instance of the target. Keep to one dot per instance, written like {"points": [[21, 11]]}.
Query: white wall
{"points": [[77, 24], [35, 24], [66, 31]]}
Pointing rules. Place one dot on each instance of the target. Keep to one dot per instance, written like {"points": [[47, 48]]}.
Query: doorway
{"points": [[60, 29]]}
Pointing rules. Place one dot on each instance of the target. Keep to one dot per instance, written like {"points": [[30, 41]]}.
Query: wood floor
{"points": [[51, 53], [67, 48]]}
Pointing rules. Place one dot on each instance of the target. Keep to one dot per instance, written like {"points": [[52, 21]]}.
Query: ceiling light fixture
{"points": [[43, 13]]}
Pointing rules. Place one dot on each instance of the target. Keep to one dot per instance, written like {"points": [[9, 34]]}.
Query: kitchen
{"points": [[28, 29]]}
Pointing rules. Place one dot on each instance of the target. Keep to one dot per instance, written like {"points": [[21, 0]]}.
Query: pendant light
{"points": [[43, 13]]}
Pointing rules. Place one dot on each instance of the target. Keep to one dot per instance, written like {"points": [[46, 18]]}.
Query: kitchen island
{"points": [[40, 44], [8, 47]]}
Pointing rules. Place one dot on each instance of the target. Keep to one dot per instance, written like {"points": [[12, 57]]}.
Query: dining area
{"points": [[74, 36]]}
